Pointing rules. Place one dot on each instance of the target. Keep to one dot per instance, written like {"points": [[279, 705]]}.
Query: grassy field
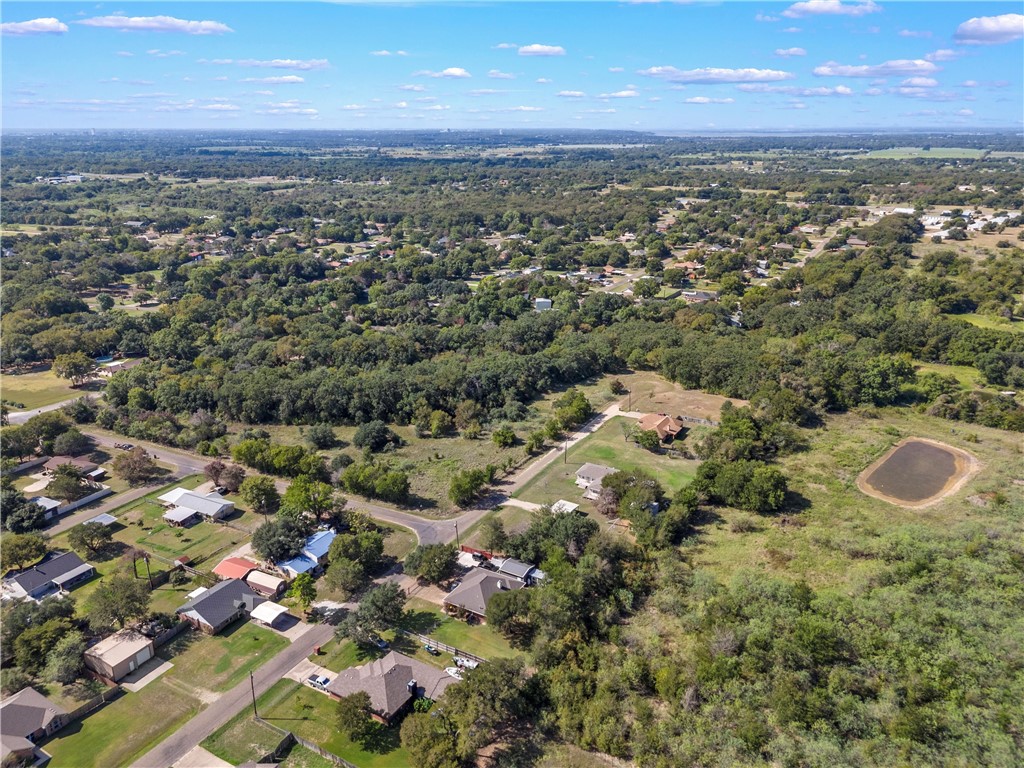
{"points": [[821, 544], [310, 714], [967, 375], [220, 662], [399, 542], [606, 446], [479, 639], [908, 153], [994, 323], [41, 387], [242, 740], [123, 729], [515, 520]]}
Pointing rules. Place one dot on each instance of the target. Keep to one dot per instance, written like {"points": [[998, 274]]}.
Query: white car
{"points": [[464, 663], [454, 672]]}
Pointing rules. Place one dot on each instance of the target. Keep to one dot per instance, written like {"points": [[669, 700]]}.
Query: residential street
{"points": [[231, 703]]}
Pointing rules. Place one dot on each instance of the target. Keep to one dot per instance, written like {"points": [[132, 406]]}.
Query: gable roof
{"points": [[59, 461], [179, 514], [595, 471], [56, 567], [234, 568], [387, 681], [661, 423], [318, 544], [119, 646], [300, 564], [172, 496], [210, 504], [512, 567], [268, 612], [478, 587], [221, 601], [26, 712]]}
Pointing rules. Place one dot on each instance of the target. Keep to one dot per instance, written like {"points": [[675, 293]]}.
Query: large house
{"points": [[185, 504], [589, 477], [392, 682], [58, 572], [214, 608], [26, 717], [120, 654], [667, 427], [476, 590], [312, 556]]}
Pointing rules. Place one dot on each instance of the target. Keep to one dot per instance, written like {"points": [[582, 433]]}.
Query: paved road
{"points": [[181, 742], [92, 510], [20, 417]]}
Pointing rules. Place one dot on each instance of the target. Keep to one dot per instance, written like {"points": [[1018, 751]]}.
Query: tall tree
{"points": [[118, 599], [75, 366], [260, 493], [18, 550], [303, 589], [136, 466]]}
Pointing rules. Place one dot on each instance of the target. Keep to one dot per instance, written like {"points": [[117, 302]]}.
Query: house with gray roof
{"points": [[590, 476], [517, 569], [57, 572], [392, 683], [476, 590], [220, 605], [26, 717]]}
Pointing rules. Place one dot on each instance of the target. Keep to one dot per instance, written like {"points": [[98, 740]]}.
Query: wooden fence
{"points": [[97, 701], [290, 737], [442, 646]]}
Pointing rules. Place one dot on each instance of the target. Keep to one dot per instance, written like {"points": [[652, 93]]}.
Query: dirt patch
{"points": [[917, 472], [653, 394]]}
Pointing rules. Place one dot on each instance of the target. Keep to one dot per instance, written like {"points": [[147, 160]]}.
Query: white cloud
{"points": [[521, 109], [48, 26], [536, 49], [915, 33], [571, 94], [628, 94], [485, 92], [707, 100], [830, 8], [969, 84], [354, 107], [544, 80], [264, 93], [885, 69], [436, 107], [964, 112], [416, 88], [600, 111], [497, 74], [302, 65], [125, 54], [157, 24], [401, 105], [943, 54], [991, 30], [616, 69], [389, 53], [505, 46], [450, 72], [796, 105], [792, 30], [716, 75], [164, 54], [764, 17], [220, 107], [281, 80], [921, 82], [928, 94], [787, 52], [792, 90]]}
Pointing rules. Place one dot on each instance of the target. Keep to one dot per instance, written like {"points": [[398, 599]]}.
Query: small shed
{"points": [[563, 507], [180, 516], [265, 584]]}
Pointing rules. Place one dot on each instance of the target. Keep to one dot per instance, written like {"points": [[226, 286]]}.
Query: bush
{"points": [[376, 436], [321, 436]]}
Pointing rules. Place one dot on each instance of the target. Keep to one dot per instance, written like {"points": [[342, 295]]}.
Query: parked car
{"points": [[432, 650], [464, 663], [381, 643], [318, 681], [452, 586], [454, 672]]}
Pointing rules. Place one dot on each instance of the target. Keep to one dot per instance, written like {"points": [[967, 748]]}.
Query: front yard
{"points": [[220, 662]]}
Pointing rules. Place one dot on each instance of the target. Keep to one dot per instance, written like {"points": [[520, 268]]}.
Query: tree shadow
{"points": [[419, 503], [179, 644], [795, 502], [421, 622], [520, 753], [109, 551], [380, 739]]}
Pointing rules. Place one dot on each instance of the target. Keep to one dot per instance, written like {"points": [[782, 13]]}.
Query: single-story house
{"points": [[392, 682], [234, 568], [211, 505], [26, 717], [517, 569], [82, 465], [120, 654], [563, 507], [180, 517], [268, 613], [220, 605], [476, 590], [109, 369], [589, 477], [667, 427], [265, 584], [50, 506], [312, 556], [58, 572]]}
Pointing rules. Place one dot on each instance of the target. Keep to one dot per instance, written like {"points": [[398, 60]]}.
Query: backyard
{"points": [[607, 446]]}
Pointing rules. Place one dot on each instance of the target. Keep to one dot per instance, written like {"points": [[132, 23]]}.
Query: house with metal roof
{"points": [[220, 605], [58, 572], [25, 718], [211, 505], [517, 569], [392, 683], [589, 477], [265, 584], [476, 590], [234, 568], [312, 556]]}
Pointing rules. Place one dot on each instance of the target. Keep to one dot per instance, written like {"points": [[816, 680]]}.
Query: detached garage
{"points": [[119, 655], [268, 613]]}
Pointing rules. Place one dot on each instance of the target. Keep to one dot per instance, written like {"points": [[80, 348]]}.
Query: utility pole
{"points": [[565, 453], [457, 542], [252, 686]]}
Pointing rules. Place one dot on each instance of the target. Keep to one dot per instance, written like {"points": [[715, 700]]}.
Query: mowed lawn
{"points": [[479, 639], [609, 447], [220, 662], [40, 387], [242, 739], [124, 729], [312, 715]]}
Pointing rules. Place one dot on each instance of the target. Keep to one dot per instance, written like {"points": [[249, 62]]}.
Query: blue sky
{"points": [[645, 65]]}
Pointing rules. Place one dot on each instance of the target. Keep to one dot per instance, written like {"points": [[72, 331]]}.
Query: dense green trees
{"points": [[432, 562]]}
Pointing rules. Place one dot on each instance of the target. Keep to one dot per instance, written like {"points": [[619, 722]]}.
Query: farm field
{"points": [[909, 153], [40, 387], [609, 447], [821, 543]]}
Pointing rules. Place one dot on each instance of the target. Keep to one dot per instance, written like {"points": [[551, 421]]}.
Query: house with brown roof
{"points": [[25, 718], [392, 683], [667, 427], [82, 465], [476, 590]]}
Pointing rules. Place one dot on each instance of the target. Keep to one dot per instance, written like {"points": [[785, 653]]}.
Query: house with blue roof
{"points": [[313, 554]]}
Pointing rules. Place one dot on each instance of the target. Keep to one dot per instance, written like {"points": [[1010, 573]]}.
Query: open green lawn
{"points": [[399, 541], [242, 739], [41, 387], [967, 375], [337, 655], [515, 520], [994, 323], [311, 714], [123, 729], [606, 446], [479, 639], [220, 662], [907, 153]]}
